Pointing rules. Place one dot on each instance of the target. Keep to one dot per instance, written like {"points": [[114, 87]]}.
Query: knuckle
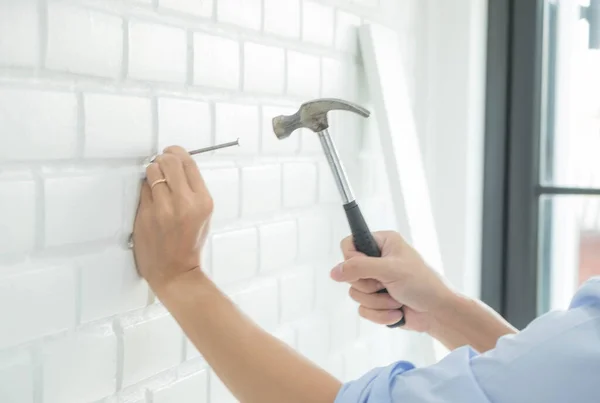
{"points": [[167, 159], [207, 204], [175, 149], [152, 169]]}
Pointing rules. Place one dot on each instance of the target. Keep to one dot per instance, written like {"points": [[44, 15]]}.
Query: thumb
{"points": [[363, 267]]}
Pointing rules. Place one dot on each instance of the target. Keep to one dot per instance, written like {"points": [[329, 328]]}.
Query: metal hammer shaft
{"points": [[337, 168]]}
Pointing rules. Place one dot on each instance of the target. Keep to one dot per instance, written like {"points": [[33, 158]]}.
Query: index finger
{"points": [[190, 168]]}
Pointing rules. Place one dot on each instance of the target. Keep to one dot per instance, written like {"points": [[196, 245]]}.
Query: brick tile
{"points": [[234, 255], [16, 378], [150, 347], [261, 189], [318, 23], [80, 367], [264, 68], [344, 324], [110, 285], [202, 8], [183, 122], [244, 13], [314, 235], [299, 184], [157, 53], [282, 17], [83, 41], [117, 126], [313, 340], [19, 45], [356, 360], [45, 297], [47, 112], [223, 185], [303, 74], [17, 213], [72, 205], [234, 121], [216, 61], [191, 389], [278, 245], [297, 294]]}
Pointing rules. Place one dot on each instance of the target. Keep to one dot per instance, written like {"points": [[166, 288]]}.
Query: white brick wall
{"points": [[88, 89]]}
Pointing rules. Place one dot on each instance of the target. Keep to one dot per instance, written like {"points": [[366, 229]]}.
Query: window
{"points": [[541, 235]]}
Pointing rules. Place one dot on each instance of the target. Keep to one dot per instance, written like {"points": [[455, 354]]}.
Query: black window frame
{"points": [[519, 111]]}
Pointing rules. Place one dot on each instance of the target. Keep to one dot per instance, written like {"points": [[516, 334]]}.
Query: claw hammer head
{"points": [[313, 115]]}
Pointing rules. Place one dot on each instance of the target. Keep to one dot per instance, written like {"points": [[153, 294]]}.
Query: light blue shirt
{"points": [[556, 359]]}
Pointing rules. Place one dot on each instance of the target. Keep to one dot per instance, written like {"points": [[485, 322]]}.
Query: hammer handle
{"points": [[364, 241]]}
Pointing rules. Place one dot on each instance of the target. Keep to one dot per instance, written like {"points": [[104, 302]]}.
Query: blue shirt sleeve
{"points": [[556, 359]]}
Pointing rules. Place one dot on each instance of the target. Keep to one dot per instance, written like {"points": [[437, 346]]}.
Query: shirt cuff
{"points": [[375, 386]]}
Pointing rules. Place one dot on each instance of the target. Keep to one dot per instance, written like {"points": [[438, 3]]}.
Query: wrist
{"points": [[180, 285], [446, 316]]}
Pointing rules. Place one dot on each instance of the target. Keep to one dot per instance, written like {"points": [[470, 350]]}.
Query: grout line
{"points": [[282, 184], [190, 58], [215, 10], [42, 33], [62, 82], [37, 373], [321, 86], [319, 178], [125, 54], [81, 140], [119, 333], [262, 15], [259, 251], [242, 82], [155, 133], [78, 293], [286, 66], [260, 130], [301, 16], [240, 197], [40, 211], [183, 357], [212, 110]]}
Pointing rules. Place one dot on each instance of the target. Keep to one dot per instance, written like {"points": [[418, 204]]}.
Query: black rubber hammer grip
{"points": [[364, 241]]}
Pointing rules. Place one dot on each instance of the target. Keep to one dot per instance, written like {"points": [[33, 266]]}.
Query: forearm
{"points": [[465, 321], [254, 365]]}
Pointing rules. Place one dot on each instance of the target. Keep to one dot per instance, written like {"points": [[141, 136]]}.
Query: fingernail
{"points": [[337, 271]]}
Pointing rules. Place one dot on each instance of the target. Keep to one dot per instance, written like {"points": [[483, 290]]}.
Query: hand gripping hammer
{"points": [[313, 115]]}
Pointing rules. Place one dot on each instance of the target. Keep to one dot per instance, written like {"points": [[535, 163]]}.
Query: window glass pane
{"points": [[569, 250], [571, 127]]}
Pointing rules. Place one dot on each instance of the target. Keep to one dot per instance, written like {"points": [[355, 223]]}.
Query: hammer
{"points": [[313, 115]]}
